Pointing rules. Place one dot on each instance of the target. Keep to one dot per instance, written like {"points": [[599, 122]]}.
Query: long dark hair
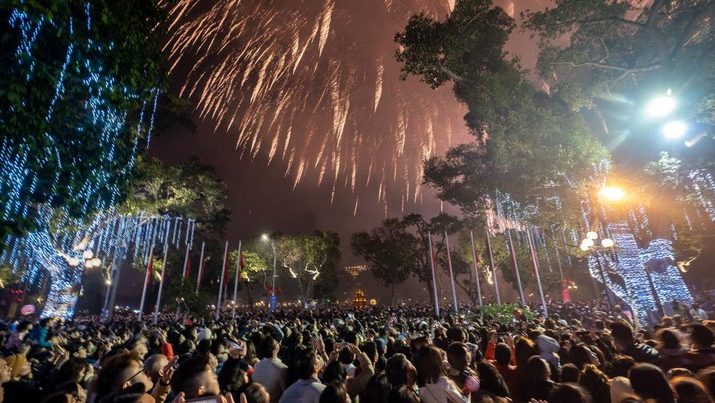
{"points": [[650, 382]]}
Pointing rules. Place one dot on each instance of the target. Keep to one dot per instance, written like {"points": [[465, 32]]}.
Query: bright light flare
{"points": [[661, 107], [612, 193], [607, 242], [675, 129]]}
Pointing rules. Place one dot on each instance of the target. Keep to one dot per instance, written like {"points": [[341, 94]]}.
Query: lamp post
{"points": [[588, 244], [271, 304]]}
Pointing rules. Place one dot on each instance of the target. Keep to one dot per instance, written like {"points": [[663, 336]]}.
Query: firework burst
{"points": [[314, 84]]}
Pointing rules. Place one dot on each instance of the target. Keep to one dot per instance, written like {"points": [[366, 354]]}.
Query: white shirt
{"points": [[303, 391], [442, 392], [272, 374]]}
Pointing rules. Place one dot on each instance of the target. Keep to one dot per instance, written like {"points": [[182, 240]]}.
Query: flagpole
{"points": [[476, 269], [235, 282], [491, 266], [146, 283], [535, 263], [220, 285], [186, 260], [201, 267], [434, 277], [516, 267], [451, 274], [161, 285]]}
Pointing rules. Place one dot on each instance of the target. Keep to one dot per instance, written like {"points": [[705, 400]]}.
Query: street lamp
{"points": [[612, 193], [661, 106], [588, 244], [675, 129], [266, 238]]}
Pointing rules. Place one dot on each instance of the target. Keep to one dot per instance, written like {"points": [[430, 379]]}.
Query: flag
{"points": [[241, 265], [187, 265], [565, 292], [150, 267]]}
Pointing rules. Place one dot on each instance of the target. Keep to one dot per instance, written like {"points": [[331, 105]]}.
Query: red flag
{"points": [[202, 269], [187, 269], [150, 267], [241, 265], [226, 273], [565, 292]]}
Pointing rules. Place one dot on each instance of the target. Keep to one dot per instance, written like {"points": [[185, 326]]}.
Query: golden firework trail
{"points": [[314, 84]]}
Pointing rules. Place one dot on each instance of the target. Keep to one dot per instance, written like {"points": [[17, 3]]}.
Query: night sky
{"points": [[379, 149]]}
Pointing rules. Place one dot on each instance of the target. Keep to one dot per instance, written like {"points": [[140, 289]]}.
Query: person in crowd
{"points": [[672, 353], [649, 382], [702, 353], [538, 383], [432, 378], [308, 388], [270, 371], [690, 390], [626, 344]]}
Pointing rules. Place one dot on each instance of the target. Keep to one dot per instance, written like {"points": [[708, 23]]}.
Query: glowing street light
{"points": [[592, 235], [88, 254], [675, 129], [607, 243], [661, 106], [613, 194]]}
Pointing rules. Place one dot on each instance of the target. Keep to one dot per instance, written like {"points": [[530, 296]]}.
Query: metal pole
{"points": [[115, 285], [451, 274], [186, 262], [535, 262], [146, 283], [491, 266], [273, 283], [476, 269], [434, 277], [235, 282], [161, 285], [201, 267], [220, 284], [516, 267]]}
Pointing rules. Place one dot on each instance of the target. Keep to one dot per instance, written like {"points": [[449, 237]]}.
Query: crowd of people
{"points": [[579, 353]]}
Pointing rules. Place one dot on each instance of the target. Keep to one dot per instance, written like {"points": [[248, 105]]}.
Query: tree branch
{"points": [[611, 67]]}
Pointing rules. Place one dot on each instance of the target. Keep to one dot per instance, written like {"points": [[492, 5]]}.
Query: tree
{"points": [[595, 51], [253, 270], [388, 251], [528, 144], [400, 248], [76, 81], [312, 260]]}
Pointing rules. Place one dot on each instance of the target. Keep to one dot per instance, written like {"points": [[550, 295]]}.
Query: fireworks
{"points": [[314, 85]]}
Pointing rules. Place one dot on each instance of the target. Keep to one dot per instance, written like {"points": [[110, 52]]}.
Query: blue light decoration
{"points": [[109, 236], [60, 236]]}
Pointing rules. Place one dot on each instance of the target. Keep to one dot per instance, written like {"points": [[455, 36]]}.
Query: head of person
{"points": [[430, 365], [268, 347], [334, 393], [121, 371], [502, 354], [307, 364], [335, 373], [690, 390], [701, 336], [195, 378], [667, 339], [457, 334], [523, 350], [569, 373], [622, 335], [537, 369], [400, 371], [568, 393], [649, 382], [581, 355], [154, 365], [621, 365], [596, 382], [253, 393], [459, 356]]}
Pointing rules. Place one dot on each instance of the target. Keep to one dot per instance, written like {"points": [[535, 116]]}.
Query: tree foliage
{"points": [[48, 100], [312, 260], [595, 51], [527, 142]]}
